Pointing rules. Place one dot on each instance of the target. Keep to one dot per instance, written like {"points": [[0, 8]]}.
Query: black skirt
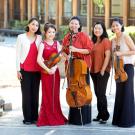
{"points": [[124, 109]]}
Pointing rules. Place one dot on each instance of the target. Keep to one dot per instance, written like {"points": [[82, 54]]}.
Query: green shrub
{"points": [[132, 35], [63, 30], [130, 30], [18, 25]]}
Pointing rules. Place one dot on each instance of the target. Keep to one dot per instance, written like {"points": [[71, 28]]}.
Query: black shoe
{"points": [[34, 122], [102, 122], [27, 122], [96, 119]]}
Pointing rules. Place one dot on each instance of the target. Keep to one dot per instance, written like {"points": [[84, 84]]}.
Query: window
{"points": [[132, 8], [83, 7], [52, 11], [116, 8], [67, 13], [99, 8], [67, 8]]}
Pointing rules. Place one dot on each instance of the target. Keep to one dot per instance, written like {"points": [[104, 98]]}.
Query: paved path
{"points": [[11, 122]]}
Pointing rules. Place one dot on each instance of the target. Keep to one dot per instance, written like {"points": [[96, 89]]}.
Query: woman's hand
{"points": [[54, 68], [19, 75], [73, 49], [51, 70], [65, 56], [118, 53], [102, 72]]}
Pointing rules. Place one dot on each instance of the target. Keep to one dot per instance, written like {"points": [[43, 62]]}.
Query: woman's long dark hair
{"points": [[104, 34], [31, 20]]}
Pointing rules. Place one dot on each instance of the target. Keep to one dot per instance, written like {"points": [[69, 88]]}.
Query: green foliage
{"points": [[99, 2], [132, 35], [18, 25], [130, 30], [110, 34], [63, 30]]}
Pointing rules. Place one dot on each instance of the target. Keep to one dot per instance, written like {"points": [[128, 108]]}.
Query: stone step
{"points": [[1, 111], [4, 106], [7, 107]]}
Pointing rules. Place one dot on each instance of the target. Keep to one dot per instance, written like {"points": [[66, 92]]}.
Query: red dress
{"points": [[50, 111]]}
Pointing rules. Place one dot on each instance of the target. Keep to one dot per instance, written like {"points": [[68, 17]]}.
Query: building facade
{"points": [[59, 12]]}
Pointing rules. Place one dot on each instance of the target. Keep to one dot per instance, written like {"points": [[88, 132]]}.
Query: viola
{"points": [[120, 74]]}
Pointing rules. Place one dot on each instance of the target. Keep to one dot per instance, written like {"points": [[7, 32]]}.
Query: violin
{"points": [[120, 74], [54, 59]]}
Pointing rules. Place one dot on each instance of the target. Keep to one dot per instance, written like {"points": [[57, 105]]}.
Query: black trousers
{"points": [[81, 115], [30, 95], [124, 107], [100, 84]]}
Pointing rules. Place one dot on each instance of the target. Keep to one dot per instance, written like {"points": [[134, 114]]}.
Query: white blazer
{"points": [[23, 47]]}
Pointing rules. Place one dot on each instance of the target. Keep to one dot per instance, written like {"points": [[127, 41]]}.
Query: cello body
{"points": [[78, 91]]}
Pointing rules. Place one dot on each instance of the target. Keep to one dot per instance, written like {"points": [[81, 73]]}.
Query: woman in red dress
{"points": [[50, 111]]}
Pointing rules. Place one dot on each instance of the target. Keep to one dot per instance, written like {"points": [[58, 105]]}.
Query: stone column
{"points": [[5, 13], [74, 7], [61, 7], [107, 13], [90, 16], [22, 9], [47, 10], [29, 9], [125, 12], [34, 8], [57, 14]]}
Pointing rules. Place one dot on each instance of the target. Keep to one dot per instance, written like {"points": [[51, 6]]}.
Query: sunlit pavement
{"points": [[11, 121]]}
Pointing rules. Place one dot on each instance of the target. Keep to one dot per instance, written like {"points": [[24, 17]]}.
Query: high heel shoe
{"points": [[96, 119]]}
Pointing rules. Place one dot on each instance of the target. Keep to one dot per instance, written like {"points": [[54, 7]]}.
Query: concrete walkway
{"points": [[11, 121]]}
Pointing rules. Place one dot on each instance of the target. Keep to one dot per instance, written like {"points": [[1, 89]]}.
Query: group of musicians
{"points": [[85, 57]]}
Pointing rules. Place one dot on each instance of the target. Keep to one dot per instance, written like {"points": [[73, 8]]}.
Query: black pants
{"points": [[81, 115], [100, 84], [30, 95]]}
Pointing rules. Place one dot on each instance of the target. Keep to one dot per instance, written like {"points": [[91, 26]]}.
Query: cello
{"points": [[120, 74], [78, 92]]}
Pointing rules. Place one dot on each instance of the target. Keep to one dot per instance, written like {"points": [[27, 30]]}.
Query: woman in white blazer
{"points": [[28, 71]]}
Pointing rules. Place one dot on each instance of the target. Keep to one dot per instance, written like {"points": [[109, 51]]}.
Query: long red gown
{"points": [[50, 110]]}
